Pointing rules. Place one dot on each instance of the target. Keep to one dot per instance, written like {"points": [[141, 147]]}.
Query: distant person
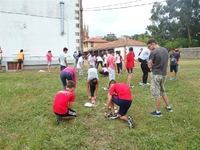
{"points": [[63, 59], [75, 55], [68, 74], [143, 58], [20, 61], [99, 61], [111, 65], [119, 94], [130, 64], [91, 60], [1, 58], [104, 71], [49, 60], [158, 61], [92, 84], [174, 62], [141, 49], [63, 101], [119, 62], [105, 56], [80, 66]]}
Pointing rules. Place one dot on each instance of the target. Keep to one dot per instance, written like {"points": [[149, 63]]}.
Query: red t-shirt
{"points": [[49, 57], [61, 101], [111, 62], [130, 57], [122, 90]]}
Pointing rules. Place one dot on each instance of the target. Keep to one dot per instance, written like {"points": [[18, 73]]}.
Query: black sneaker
{"points": [[169, 109], [112, 116], [154, 113], [130, 122]]}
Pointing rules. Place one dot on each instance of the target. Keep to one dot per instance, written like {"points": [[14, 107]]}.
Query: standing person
{"points": [[119, 62], [141, 49], [1, 58], [63, 59], [174, 62], [91, 60], [158, 61], [68, 74], [143, 58], [63, 101], [99, 61], [130, 64], [20, 60], [105, 56], [80, 66], [92, 84], [111, 67], [49, 60], [119, 94], [75, 55]]}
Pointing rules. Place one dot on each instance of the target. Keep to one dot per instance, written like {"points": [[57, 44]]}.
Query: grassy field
{"points": [[28, 123]]}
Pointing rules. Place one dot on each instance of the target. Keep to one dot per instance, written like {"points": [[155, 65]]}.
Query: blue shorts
{"points": [[0, 62], [173, 68], [123, 105]]}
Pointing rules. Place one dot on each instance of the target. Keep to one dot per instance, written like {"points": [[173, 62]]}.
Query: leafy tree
{"points": [[176, 20], [110, 37]]}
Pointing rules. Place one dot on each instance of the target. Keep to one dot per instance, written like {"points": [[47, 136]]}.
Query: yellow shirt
{"points": [[21, 55]]}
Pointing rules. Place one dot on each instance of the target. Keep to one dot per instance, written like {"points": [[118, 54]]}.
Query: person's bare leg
{"points": [[165, 98], [22, 66], [157, 102], [170, 74], [123, 118], [129, 79], [17, 66]]}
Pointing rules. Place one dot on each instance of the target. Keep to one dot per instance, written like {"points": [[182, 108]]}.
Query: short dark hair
{"points": [[21, 50], [70, 84], [65, 49], [112, 82], [49, 51], [152, 41], [130, 48]]}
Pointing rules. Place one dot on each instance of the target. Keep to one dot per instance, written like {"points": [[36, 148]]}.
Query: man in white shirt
{"points": [[63, 59]]}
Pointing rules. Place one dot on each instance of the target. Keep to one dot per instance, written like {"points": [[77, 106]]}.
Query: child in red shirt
{"points": [[49, 60], [130, 64], [63, 102], [119, 94]]}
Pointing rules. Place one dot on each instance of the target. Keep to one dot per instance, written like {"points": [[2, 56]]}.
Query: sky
{"points": [[126, 21]]}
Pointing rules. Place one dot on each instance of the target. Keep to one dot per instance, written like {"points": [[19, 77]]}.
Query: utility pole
{"points": [[81, 26]]}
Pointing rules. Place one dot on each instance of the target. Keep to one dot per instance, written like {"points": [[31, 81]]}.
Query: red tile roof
{"points": [[118, 43], [95, 40]]}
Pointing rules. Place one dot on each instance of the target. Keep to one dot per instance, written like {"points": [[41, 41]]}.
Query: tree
{"points": [[110, 37], [176, 20]]}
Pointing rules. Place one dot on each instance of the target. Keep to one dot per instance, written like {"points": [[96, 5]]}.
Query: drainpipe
{"points": [[62, 17]]}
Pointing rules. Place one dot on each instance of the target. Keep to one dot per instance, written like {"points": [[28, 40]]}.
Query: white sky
{"points": [[127, 21]]}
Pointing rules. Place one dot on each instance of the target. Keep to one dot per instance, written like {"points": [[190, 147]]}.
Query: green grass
{"points": [[28, 123]]}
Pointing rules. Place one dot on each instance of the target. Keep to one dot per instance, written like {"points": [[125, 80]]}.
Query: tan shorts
{"points": [[157, 88]]}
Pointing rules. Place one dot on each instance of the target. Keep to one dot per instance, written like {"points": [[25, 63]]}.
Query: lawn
{"points": [[28, 123]]}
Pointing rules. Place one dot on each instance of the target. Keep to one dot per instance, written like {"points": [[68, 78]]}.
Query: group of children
{"points": [[119, 93]]}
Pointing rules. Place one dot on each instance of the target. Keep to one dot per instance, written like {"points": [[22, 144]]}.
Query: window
{"points": [[77, 25], [77, 33], [92, 44], [77, 40], [77, 48], [76, 12], [76, 18], [77, 4]]}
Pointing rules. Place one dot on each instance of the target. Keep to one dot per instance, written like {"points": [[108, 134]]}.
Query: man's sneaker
{"points": [[112, 116], [154, 113], [170, 79], [175, 79], [106, 88], [168, 108], [130, 122]]}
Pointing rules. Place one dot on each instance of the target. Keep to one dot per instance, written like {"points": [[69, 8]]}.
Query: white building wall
{"points": [[35, 26]]}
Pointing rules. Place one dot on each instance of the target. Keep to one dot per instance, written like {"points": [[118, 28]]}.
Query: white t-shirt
{"points": [[99, 58], [91, 60], [117, 59], [92, 73], [80, 61], [62, 56], [144, 55]]}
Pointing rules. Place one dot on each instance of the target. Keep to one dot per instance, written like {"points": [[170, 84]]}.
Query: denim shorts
{"points": [[123, 105]]}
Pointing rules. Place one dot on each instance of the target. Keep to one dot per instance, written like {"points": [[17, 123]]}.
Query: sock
{"points": [[157, 111]]}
